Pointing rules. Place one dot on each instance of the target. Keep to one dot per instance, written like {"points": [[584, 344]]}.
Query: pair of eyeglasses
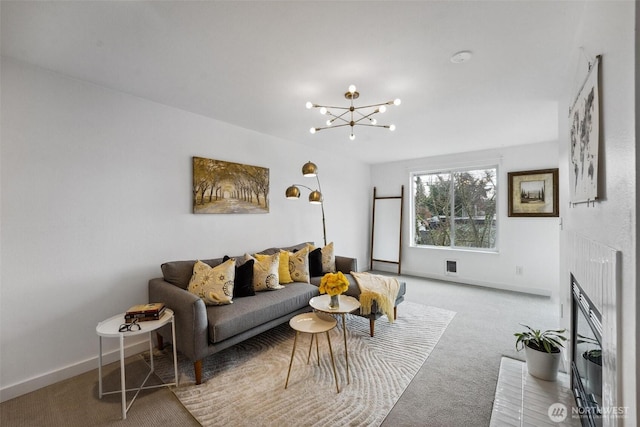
{"points": [[129, 327]]}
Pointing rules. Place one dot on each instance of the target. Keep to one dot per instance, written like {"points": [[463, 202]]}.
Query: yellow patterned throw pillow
{"points": [[265, 272], [299, 265], [213, 284]]}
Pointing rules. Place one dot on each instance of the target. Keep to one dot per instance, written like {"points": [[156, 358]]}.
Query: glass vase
{"points": [[334, 302]]}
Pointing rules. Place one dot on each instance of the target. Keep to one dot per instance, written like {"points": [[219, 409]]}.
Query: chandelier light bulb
{"points": [[352, 88], [382, 108], [392, 127], [374, 122], [312, 130], [309, 105], [397, 101], [323, 110], [352, 137], [329, 122]]}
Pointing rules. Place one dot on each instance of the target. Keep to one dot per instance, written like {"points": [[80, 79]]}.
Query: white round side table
{"points": [[313, 324], [110, 329], [347, 305]]}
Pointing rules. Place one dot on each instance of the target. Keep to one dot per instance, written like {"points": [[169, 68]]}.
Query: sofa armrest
{"points": [[190, 317], [346, 264]]}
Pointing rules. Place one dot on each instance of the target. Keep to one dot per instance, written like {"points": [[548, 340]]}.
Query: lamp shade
{"points": [[309, 169], [293, 192], [315, 197]]}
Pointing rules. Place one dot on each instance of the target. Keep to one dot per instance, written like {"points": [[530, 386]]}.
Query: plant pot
{"points": [[541, 364], [594, 372]]}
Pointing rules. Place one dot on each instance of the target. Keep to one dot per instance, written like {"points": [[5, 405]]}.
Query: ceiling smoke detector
{"points": [[460, 57]]}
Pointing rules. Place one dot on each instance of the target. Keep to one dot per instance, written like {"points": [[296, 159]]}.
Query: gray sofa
{"points": [[203, 330]]}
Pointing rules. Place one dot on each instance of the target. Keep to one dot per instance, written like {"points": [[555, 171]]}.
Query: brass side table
{"points": [[313, 324], [347, 305]]}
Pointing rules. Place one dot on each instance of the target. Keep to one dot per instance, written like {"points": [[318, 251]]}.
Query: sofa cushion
{"points": [[299, 265], [328, 259], [265, 272], [296, 248], [315, 262], [213, 284], [284, 276], [225, 321], [283, 268], [179, 272], [243, 283], [321, 260]]}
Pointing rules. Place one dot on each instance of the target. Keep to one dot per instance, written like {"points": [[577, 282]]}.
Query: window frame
{"points": [[452, 171]]}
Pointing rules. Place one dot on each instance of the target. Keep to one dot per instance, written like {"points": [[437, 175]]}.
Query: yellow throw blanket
{"points": [[381, 289]]}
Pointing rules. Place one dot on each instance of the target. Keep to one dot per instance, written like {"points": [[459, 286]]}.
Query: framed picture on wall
{"points": [[533, 193], [221, 187], [584, 137]]}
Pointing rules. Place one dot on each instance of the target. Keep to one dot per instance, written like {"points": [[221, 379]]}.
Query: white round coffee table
{"points": [[312, 323], [110, 328], [347, 305]]}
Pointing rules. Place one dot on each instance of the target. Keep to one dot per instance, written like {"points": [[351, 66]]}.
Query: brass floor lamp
{"points": [[315, 196]]}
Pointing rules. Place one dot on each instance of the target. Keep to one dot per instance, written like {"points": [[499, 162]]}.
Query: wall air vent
{"points": [[451, 267]]}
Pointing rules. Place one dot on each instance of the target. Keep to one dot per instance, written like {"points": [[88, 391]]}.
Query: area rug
{"points": [[244, 385]]}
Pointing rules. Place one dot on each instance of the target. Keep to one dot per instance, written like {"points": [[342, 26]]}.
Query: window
{"points": [[455, 208]]}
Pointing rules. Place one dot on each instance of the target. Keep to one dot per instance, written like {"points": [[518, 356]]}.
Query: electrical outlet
{"points": [[519, 270]]}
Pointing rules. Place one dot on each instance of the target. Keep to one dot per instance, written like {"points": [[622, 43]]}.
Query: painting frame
{"points": [[529, 193], [222, 187]]}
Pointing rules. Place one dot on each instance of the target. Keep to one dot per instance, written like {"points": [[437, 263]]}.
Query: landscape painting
{"points": [[584, 138], [533, 193], [221, 187]]}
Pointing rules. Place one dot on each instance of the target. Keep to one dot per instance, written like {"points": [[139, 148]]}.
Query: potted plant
{"points": [[542, 351]]}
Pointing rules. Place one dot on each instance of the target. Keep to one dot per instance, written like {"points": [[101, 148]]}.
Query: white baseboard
{"points": [[474, 282], [18, 389]]}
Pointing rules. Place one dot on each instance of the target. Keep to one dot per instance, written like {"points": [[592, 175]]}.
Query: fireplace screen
{"points": [[586, 366]]}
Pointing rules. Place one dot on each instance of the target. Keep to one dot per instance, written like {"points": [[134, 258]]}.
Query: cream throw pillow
{"points": [[265, 272], [328, 259], [284, 276], [299, 265], [213, 284]]}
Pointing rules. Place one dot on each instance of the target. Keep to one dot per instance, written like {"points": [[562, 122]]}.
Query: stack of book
{"points": [[144, 312]]}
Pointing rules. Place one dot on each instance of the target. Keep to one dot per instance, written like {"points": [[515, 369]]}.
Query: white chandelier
{"points": [[352, 116]]}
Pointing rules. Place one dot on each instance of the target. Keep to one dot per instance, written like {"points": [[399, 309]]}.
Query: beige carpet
{"points": [[244, 385]]}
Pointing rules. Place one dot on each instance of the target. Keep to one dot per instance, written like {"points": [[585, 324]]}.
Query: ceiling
{"points": [[256, 64]]}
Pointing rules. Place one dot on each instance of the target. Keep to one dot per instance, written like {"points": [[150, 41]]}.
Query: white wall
{"points": [[607, 29], [96, 194], [531, 243]]}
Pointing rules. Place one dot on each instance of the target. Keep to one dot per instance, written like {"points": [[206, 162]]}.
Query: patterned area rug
{"points": [[244, 385]]}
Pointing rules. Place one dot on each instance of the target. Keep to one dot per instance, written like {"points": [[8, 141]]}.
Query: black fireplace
{"points": [[586, 363]]}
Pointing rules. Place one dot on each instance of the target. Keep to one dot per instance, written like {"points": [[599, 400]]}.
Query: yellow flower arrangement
{"points": [[334, 283]]}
